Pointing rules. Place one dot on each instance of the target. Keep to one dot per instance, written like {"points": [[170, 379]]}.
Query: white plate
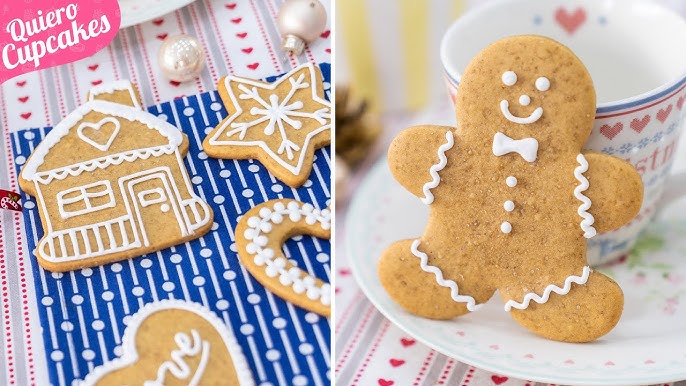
{"points": [[647, 346], [138, 11]]}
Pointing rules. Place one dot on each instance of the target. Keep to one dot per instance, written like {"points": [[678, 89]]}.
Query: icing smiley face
{"points": [[542, 84], [522, 90]]}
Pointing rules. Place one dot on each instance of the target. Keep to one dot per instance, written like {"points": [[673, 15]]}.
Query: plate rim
{"points": [[350, 245], [165, 8]]}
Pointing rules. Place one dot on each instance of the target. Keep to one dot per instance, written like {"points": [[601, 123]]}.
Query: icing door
{"points": [[153, 202]]}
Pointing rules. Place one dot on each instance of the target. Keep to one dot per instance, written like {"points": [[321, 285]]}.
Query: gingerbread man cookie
{"points": [[513, 197]]}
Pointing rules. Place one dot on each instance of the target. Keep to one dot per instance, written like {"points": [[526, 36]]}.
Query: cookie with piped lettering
{"points": [[111, 184], [174, 342], [260, 235], [513, 197], [281, 124]]}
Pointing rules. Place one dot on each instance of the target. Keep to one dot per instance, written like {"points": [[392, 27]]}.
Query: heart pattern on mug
{"points": [[611, 131], [639, 124], [100, 134], [260, 235], [663, 114], [570, 22], [174, 341], [680, 102]]}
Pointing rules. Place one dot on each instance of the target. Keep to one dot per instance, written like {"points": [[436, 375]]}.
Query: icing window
{"points": [[151, 197], [85, 199]]}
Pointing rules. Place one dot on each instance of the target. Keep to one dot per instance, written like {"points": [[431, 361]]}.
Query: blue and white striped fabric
{"points": [[84, 313]]}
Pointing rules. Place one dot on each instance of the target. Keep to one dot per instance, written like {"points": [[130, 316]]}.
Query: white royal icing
{"points": [[173, 135], [177, 365], [97, 126], [505, 110], [527, 147], [257, 232], [506, 227], [110, 87], [511, 181], [117, 229], [125, 232], [509, 205], [509, 78], [542, 84], [151, 197], [433, 171], [85, 193], [282, 116], [524, 304], [588, 220], [454, 292], [524, 100]]}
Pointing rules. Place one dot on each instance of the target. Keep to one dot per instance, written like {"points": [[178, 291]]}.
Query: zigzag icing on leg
{"points": [[454, 293], [546, 292]]}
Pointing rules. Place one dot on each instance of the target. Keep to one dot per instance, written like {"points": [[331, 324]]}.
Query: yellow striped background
{"points": [[355, 25]]}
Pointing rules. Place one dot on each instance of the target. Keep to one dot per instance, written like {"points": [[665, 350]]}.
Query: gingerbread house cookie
{"points": [[111, 184]]}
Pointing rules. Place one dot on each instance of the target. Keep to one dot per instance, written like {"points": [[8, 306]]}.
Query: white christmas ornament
{"points": [[300, 22], [181, 58]]}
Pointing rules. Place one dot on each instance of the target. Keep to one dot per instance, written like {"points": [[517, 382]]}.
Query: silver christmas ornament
{"points": [[181, 58], [300, 22]]}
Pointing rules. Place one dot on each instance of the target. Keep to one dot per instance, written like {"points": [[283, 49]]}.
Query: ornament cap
{"points": [[293, 44]]}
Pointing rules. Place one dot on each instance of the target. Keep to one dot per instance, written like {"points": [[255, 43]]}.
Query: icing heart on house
{"points": [[260, 235], [172, 342], [97, 134]]}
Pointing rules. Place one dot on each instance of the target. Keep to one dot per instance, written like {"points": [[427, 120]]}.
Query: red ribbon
{"points": [[10, 200]]}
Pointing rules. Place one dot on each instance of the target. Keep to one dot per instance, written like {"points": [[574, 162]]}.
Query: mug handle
{"points": [[675, 188]]}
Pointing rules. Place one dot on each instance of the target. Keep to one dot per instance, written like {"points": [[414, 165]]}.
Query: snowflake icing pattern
{"points": [[278, 113]]}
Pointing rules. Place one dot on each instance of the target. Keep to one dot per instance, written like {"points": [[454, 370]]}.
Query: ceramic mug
{"points": [[635, 53]]}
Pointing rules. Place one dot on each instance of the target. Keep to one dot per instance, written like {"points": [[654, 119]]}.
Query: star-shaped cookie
{"points": [[280, 124]]}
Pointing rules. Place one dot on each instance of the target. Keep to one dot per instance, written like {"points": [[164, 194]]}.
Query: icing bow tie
{"points": [[527, 147]]}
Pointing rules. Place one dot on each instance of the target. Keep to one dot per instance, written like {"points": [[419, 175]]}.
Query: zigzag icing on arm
{"points": [[549, 289], [588, 220], [454, 293], [443, 160]]}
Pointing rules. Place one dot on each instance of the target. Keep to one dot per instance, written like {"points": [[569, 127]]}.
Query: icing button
{"points": [[511, 181], [509, 205], [506, 227]]}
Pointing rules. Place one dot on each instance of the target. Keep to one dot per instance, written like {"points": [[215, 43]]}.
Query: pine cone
{"points": [[356, 128]]}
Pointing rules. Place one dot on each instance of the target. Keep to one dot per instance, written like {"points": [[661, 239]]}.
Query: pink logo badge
{"points": [[45, 33]]}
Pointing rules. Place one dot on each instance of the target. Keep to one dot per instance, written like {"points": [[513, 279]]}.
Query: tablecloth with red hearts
{"points": [[240, 37], [369, 349]]}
